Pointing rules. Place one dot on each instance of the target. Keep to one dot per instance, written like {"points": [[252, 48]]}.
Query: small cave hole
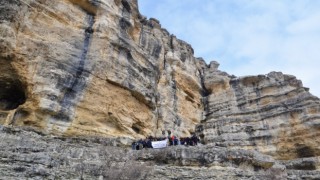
{"points": [[304, 151], [12, 95], [136, 129]]}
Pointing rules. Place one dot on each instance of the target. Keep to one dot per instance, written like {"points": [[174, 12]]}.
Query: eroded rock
{"points": [[96, 67], [26, 154], [92, 68], [273, 114]]}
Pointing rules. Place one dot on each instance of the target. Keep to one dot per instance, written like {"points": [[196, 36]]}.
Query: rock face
{"points": [[36, 156], [33, 155], [99, 68], [273, 114], [83, 67]]}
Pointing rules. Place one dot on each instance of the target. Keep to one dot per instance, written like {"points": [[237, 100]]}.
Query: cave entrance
{"points": [[12, 94]]}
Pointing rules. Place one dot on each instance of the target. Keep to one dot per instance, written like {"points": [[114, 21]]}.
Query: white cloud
{"points": [[248, 36]]}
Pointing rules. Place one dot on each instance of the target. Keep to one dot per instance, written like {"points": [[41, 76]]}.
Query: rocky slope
{"points": [[26, 154], [98, 68], [33, 155]]}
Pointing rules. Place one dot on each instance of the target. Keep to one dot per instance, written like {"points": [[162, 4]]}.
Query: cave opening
{"points": [[12, 94], [304, 151], [136, 129]]}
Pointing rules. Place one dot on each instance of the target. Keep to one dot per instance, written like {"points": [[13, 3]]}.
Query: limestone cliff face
{"points": [[99, 68], [85, 67], [272, 113]]}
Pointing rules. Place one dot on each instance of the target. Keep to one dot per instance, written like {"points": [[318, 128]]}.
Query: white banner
{"points": [[159, 144]]}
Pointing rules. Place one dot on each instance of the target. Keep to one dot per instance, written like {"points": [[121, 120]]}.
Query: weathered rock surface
{"points": [[99, 68], [273, 114], [79, 67], [26, 154]]}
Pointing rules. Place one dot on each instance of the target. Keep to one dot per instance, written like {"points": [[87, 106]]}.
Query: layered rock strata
{"points": [[99, 68], [273, 114], [33, 155], [80, 67], [26, 154]]}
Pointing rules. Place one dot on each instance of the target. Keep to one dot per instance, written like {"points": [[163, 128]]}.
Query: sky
{"points": [[248, 37]]}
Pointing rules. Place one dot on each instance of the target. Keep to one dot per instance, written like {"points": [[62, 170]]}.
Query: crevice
{"points": [[157, 109], [126, 6], [124, 25], [177, 120], [147, 71], [171, 42], [75, 85], [164, 63], [142, 39], [205, 102], [239, 93], [175, 97], [204, 92], [156, 50]]}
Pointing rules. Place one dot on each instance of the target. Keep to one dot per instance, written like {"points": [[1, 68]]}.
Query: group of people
{"points": [[171, 141]]}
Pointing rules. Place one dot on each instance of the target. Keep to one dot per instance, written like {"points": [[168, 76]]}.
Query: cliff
{"points": [[272, 113], [98, 68], [95, 68]]}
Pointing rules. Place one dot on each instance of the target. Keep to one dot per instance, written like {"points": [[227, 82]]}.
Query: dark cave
{"points": [[12, 95]]}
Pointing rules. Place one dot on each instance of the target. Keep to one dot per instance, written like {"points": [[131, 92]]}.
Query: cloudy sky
{"points": [[248, 37]]}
